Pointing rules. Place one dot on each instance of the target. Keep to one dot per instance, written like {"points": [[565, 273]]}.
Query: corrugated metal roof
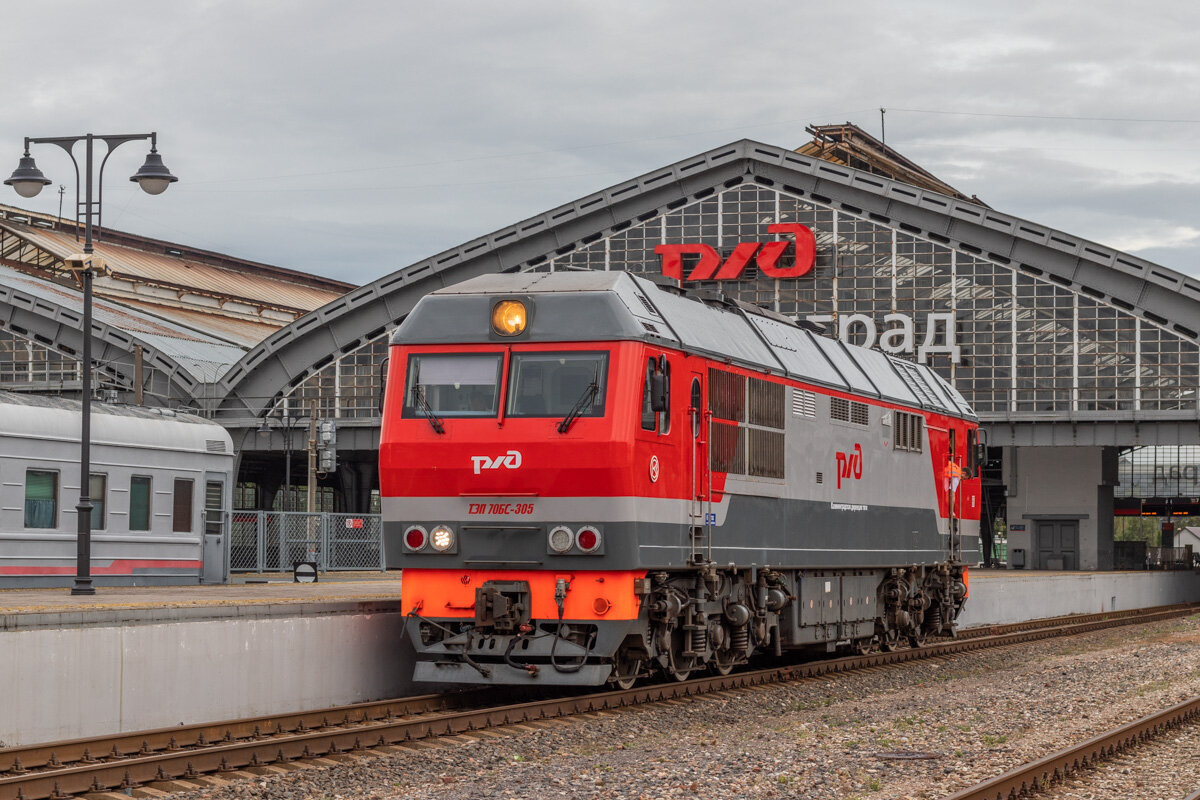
{"points": [[205, 356], [243, 332], [180, 271]]}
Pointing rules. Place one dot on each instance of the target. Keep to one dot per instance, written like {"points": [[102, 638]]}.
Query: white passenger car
{"points": [[160, 488]]}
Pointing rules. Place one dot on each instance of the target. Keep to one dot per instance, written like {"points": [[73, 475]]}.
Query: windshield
{"points": [[459, 385], [550, 384]]}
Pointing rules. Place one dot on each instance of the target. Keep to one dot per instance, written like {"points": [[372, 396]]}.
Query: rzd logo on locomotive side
{"points": [[509, 460], [849, 465], [766, 254]]}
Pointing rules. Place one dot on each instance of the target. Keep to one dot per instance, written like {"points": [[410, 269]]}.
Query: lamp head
{"points": [[27, 179], [153, 177]]}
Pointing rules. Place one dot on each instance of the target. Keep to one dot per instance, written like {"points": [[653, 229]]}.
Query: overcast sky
{"points": [[351, 139]]}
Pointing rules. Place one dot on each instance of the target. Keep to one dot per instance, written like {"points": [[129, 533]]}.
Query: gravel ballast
{"points": [[921, 730]]}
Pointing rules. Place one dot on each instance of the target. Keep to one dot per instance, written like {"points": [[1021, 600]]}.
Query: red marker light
{"points": [[588, 539], [414, 538]]}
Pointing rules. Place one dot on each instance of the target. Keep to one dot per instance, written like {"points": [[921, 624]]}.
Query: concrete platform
{"points": [[999, 596], [147, 657], [136, 658], [250, 596]]}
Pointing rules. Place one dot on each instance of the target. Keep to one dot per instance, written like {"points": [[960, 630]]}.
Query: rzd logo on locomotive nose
{"points": [[849, 465], [510, 460]]}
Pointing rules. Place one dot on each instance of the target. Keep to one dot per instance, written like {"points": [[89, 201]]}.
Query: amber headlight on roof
{"points": [[509, 317]]}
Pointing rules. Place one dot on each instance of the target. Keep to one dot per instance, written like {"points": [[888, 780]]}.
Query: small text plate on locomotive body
{"points": [[501, 509]]}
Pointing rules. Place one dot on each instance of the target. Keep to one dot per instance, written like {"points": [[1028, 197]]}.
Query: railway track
{"points": [[124, 761], [1044, 773]]}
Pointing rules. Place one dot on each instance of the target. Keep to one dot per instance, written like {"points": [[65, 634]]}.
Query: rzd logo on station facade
{"points": [[766, 254], [899, 336]]}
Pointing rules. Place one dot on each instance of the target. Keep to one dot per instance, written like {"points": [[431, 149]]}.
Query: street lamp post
{"points": [[28, 180]]}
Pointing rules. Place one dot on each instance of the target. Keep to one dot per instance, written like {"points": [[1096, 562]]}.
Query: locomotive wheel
{"points": [[720, 666], [916, 639], [679, 674], [863, 646], [626, 672]]}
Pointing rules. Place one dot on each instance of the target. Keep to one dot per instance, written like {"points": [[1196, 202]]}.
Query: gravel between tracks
{"points": [[920, 730]]}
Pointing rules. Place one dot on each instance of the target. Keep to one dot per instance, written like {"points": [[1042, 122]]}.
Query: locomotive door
{"points": [[700, 508]]}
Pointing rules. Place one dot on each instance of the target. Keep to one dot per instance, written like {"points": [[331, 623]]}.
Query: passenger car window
{"points": [[98, 494], [41, 499], [181, 517], [139, 503]]}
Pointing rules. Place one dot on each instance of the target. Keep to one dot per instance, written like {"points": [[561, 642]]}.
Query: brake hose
{"points": [[560, 595]]}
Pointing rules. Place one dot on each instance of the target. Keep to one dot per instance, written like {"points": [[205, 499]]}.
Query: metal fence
{"points": [[273, 541]]}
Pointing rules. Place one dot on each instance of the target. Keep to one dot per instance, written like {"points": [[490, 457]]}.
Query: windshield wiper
{"points": [[418, 400], [589, 394]]}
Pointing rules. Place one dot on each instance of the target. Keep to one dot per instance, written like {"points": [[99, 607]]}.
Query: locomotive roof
{"points": [[591, 305]]}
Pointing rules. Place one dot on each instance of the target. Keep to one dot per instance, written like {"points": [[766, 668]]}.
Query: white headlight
{"points": [[442, 538], [561, 538]]}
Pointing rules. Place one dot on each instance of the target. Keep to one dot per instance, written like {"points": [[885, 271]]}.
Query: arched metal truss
{"points": [[1166, 300], [114, 351]]}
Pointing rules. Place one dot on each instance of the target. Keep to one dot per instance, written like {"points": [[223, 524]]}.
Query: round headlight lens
{"points": [[509, 317], [442, 538], [588, 539], [415, 538], [561, 538]]}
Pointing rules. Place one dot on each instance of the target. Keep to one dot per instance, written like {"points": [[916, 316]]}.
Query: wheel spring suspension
{"points": [[739, 639], [933, 618], [699, 636]]}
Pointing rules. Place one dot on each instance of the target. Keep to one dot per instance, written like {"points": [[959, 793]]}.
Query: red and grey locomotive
{"points": [[588, 477]]}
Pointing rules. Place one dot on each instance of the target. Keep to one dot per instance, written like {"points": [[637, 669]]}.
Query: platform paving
{"points": [[257, 597]]}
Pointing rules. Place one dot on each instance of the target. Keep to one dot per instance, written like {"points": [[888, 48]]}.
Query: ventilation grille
{"points": [[214, 445], [820, 477], [844, 410], [767, 403], [727, 395], [728, 449], [646, 303], [766, 453], [908, 432], [804, 403]]}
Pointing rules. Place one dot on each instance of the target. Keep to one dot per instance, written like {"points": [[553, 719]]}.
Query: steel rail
{"points": [[127, 760], [1041, 774], [21, 759]]}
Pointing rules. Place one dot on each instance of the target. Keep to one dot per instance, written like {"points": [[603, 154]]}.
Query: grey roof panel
{"points": [[533, 282], [720, 331], [636, 298], [854, 375], [801, 356], [954, 402], [878, 367]]}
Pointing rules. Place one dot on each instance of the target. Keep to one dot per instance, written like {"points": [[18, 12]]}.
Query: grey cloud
{"points": [[351, 139]]}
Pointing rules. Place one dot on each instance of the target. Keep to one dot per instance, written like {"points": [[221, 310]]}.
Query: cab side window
{"points": [[656, 395], [649, 416]]}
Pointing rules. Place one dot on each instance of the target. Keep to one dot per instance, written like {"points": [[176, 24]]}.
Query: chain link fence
{"points": [[274, 541]]}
